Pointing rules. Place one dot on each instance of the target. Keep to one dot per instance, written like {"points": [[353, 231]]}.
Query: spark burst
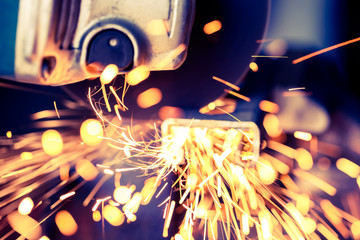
{"points": [[222, 189]]}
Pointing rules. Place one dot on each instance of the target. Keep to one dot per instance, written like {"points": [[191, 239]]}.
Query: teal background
{"points": [[8, 20]]}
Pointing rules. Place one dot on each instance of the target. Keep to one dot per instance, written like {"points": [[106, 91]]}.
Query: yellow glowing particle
{"points": [[303, 135], [178, 237], [91, 132], [149, 98], [253, 66], [52, 142], [304, 158], [64, 171], [24, 225], [272, 125], [113, 215], [26, 206], [192, 180], [44, 238], [66, 223], [130, 216], [122, 194], [86, 169], [212, 27], [266, 171], [303, 203], [268, 106], [309, 225], [109, 73], [348, 167], [211, 106], [96, 216], [355, 229], [26, 155], [137, 75], [358, 181], [9, 134]]}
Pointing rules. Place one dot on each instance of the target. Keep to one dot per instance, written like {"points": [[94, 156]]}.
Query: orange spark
{"points": [[253, 66], [137, 75], [348, 167], [96, 216], [91, 132], [109, 74], [26, 206], [113, 215], [269, 107], [9, 134], [86, 169], [303, 135], [325, 50], [233, 86], [66, 223], [272, 125], [247, 99], [212, 27], [319, 183], [56, 110], [149, 98], [52, 142]]}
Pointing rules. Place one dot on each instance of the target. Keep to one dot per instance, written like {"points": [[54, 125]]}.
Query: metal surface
{"points": [[59, 33]]}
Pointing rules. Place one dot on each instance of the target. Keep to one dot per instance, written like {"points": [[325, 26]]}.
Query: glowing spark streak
{"points": [[108, 171], [96, 205], [247, 99], [326, 233], [161, 190], [205, 226], [281, 148], [95, 189], [169, 216], [269, 56], [321, 184], [56, 110], [116, 108], [102, 166], [167, 199], [276, 163], [348, 167], [105, 97], [303, 135], [127, 169], [233, 86], [219, 186], [212, 230], [185, 195], [209, 177], [98, 114], [181, 175], [325, 50], [67, 195], [296, 88], [117, 98], [245, 224]]}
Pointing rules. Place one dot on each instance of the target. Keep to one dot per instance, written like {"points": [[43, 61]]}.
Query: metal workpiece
{"points": [[58, 42]]}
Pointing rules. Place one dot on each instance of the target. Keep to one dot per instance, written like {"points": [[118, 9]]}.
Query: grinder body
{"points": [[57, 42]]}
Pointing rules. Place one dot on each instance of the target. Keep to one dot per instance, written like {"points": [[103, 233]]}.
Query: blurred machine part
{"points": [[59, 42]]}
